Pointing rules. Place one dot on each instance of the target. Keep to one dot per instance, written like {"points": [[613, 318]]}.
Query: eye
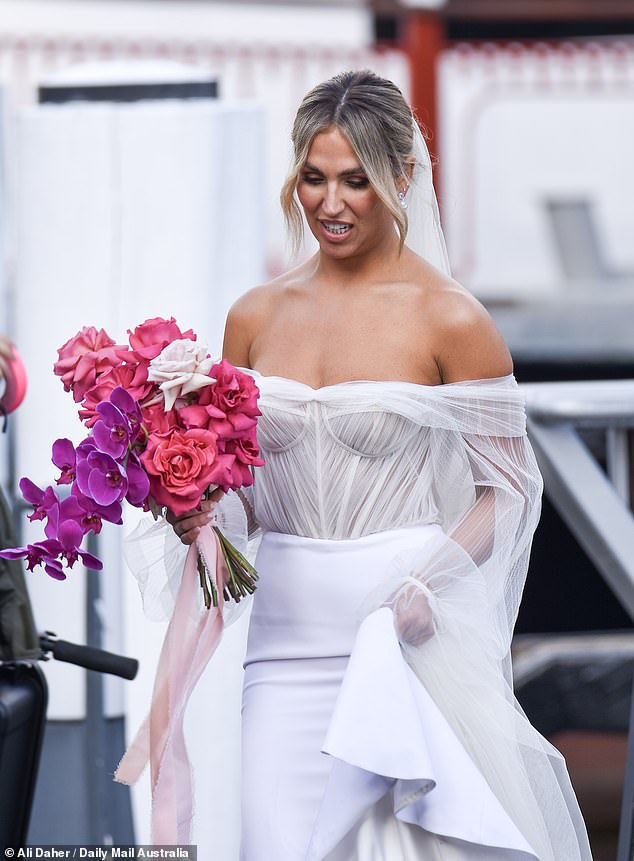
{"points": [[311, 178], [361, 182]]}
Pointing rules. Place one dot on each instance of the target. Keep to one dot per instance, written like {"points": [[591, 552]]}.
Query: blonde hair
{"points": [[373, 115]]}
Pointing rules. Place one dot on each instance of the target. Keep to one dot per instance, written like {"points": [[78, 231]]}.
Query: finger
{"points": [[216, 496], [187, 523], [207, 506], [176, 518], [187, 520], [190, 536]]}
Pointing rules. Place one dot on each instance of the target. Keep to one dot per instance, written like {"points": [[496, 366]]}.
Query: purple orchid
{"points": [[93, 514], [138, 481], [85, 447], [66, 525], [112, 432], [41, 500], [69, 537], [64, 510], [49, 553], [120, 423], [125, 403], [41, 553], [65, 458], [102, 471], [100, 477]]}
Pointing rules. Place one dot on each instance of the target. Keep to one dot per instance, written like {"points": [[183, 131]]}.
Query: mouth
{"points": [[336, 228]]}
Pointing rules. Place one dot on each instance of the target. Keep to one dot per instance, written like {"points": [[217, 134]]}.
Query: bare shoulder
{"points": [[466, 342], [251, 313]]}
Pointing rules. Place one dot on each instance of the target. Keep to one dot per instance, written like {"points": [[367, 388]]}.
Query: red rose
{"points": [[159, 422], [83, 358], [234, 391], [246, 453], [181, 465], [229, 406]]}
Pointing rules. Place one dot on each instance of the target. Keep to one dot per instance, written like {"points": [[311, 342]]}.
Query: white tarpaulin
{"points": [[125, 212]]}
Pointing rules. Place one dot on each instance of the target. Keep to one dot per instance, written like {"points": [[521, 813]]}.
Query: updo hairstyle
{"points": [[377, 122]]}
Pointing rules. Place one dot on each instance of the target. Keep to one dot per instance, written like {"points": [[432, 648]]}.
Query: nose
{"points": [[333, 203]]}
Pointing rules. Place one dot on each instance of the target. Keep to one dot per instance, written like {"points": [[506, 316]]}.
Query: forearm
{"points": [[475, 532]]}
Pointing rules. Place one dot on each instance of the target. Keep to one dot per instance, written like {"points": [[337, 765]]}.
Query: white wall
{"points": [[519, 126], [335, 24], [124, 213], [273, 54]]}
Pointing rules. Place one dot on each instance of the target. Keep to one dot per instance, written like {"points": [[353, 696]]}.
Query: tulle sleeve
{"points": [[488, 491]]}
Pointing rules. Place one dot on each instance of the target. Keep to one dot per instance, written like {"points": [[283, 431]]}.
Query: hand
{"points": [[413, 618], [187, 526]]}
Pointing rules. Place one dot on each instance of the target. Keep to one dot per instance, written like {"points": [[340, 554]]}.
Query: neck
{"points": [[361, 268]]}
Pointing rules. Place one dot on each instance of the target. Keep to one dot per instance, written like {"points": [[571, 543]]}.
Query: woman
{"points": [[398, 500]]}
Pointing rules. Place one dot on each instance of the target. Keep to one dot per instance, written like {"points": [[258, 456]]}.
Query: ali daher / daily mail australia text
{"points": [[106, 853]]}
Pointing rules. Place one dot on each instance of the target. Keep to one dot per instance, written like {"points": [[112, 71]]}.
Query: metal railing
{"points": [[594, 495], [594, 500]]}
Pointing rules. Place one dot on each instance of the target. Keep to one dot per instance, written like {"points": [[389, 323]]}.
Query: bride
{"points": [[397, 506]]}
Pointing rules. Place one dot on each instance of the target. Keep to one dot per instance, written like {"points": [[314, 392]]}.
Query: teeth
{"points": [[336, 228]]}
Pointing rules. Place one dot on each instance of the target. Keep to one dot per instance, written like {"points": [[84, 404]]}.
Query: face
{"points": [[342, 209]]}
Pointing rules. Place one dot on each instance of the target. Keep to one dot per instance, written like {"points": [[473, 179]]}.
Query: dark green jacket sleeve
{"points": [[18, 634]]}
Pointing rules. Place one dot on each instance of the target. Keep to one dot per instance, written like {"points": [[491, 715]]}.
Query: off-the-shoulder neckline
{"points": [[409, 383]]}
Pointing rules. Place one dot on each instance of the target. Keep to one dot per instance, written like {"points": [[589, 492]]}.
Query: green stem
{"points": [[202, 576], [236, 553]]}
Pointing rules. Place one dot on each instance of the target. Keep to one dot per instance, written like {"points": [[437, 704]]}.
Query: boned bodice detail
{"points": [[343, 461]]}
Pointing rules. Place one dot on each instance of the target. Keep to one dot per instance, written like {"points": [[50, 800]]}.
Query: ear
{"points": [[406, 177]]}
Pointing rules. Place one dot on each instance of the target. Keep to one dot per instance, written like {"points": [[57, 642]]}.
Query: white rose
{"points": [[180, 369]]}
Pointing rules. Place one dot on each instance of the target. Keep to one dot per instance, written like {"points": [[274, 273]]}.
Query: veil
{"points": [[424, 232]]}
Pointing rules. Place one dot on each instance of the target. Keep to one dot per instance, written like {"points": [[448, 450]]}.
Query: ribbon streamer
{"points": [[190, 641]]}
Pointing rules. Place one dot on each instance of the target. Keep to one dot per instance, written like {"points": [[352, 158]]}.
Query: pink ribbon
{"points": [[190, 641]]}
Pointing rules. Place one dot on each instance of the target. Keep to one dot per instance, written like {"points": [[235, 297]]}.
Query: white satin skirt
{"points": [[345, 755]]}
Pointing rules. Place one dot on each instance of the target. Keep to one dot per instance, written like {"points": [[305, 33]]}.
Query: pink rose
{"points": [[149, 339], [234, 391], [181, 465], [231, 403], [224, 475], [83, 358], [158, 422], [246, 452], [197, 416], [123, 375]]}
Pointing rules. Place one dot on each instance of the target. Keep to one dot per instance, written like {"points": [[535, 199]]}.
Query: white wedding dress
{"points": [[356, 748]]}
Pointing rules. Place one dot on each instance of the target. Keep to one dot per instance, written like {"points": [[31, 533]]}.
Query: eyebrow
{"points": [[352, 171]]}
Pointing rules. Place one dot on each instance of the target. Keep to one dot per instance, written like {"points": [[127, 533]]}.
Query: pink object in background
{"points": [[15, 384]]}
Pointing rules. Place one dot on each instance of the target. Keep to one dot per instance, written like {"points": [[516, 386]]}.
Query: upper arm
{"points": [[244, 321], [469, 345]]}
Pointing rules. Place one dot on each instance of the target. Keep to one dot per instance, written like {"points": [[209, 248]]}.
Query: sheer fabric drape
{"points": [[362, 457]]}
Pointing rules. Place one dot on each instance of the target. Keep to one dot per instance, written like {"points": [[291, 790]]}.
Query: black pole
{"points": [[625, 850]]}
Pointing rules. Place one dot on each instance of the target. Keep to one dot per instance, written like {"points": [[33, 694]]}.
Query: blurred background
{"points": [[142, 147]]}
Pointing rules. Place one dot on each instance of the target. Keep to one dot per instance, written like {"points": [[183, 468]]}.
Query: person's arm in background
{"points": [[18, 635]]}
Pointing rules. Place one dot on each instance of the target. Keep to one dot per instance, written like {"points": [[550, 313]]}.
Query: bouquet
{"points": [[167, 426]]}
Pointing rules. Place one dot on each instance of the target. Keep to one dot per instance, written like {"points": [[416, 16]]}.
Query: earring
{"points": [[401, 199]]}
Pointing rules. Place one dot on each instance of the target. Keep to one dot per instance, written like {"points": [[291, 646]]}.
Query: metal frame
{"points": [[596, 504]]}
